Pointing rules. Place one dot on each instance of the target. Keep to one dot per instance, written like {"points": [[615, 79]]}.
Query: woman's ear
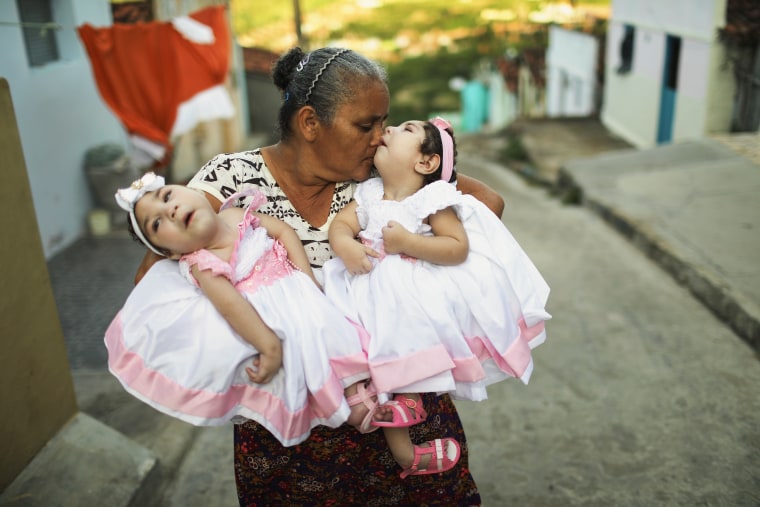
{"points": [[428, 164], [307, 122]]}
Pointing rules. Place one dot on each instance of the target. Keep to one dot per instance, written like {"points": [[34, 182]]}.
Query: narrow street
{"points": [[639, 397]]}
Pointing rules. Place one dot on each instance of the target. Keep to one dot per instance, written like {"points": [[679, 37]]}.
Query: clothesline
{"points": [[31, 24]]}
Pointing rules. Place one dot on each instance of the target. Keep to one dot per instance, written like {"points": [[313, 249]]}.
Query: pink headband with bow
{"points": [[448, 147]]}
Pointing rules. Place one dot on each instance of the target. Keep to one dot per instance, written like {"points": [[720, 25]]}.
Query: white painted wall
{"points": [[693, 77], [632, 100], [571, 60], [60, 115]]}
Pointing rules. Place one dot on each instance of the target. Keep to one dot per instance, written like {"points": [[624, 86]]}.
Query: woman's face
{"points": [[348, 146]]}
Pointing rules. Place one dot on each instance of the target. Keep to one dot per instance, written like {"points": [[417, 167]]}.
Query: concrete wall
{"points": [[35, 383], [60, 115], [571, 61], [721, 91]]}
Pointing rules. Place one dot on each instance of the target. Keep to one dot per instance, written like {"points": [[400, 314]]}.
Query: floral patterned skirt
{"points": [[341, 466]]}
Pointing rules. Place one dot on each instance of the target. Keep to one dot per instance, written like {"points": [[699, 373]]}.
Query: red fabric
{"points": [[144, 71]]}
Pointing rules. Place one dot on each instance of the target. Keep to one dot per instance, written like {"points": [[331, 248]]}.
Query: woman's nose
{"points": [[377, 134]]}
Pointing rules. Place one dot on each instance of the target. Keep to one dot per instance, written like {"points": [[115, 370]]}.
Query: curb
{"points": [[703, 284], [87, 463]]}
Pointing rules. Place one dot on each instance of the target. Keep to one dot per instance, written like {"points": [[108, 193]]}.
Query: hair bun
{"points": [[285, 66]]}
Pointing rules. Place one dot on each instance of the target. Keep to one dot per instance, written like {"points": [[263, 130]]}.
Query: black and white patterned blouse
{"points": [[229, 173]]}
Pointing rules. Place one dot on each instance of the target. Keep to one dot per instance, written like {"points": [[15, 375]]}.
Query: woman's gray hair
{"points": [[325, 79]]}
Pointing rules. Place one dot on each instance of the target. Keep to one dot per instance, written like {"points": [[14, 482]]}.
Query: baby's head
{"points": [[439, 140], [171, 220], [127, 198], [421, 150]]}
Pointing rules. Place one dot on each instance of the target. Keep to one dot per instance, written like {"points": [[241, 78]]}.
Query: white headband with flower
{"points": [[127, 199]]}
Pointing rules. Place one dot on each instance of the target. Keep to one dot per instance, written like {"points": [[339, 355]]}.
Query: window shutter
{"points": [[41, 46]]}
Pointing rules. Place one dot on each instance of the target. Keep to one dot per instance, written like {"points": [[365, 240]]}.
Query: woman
{"points": [[335, 103]]}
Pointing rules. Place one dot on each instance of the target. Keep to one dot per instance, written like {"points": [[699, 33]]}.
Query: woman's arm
{"points": [[448, 246], [481, 192], [245, 321]]}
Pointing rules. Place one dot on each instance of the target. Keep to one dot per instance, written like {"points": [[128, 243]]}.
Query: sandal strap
{"points": [[439, 459], [406, 412], [364, 395]]}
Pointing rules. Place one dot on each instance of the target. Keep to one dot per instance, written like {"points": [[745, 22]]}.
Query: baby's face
{"points": [[176, 218], [400, 150]]}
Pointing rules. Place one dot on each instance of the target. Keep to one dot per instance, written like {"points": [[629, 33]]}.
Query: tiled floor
{"points": [[91, 280]]}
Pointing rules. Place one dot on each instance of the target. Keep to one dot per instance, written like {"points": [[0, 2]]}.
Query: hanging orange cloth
{"points": [[148, 72]]}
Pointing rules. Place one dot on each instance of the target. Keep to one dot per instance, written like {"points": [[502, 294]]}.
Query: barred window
{"points": [[40, 41]]}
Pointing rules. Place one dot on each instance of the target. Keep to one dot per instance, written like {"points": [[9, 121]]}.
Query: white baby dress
{"points": [[433, 328], [169, 346]]}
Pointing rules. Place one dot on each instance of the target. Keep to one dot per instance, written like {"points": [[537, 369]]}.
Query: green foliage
{"points": [[419, 83], [514, 150]]}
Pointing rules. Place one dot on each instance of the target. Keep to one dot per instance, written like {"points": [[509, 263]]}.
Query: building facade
{"points": [[666, 72]]}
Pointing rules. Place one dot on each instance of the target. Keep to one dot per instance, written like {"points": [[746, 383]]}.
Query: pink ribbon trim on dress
{"points": [[211, 408]]}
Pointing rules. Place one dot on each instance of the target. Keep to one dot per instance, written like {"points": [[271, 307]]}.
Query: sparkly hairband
{"points": [[127, 199], [320, 71], [448, 147]]}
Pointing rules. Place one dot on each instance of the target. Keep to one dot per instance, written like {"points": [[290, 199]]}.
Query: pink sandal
{"points": [[364, 395], [406, 412], [444, 454]]}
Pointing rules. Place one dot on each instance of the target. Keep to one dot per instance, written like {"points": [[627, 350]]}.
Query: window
{"points": [[626, 50], [41, 44]]}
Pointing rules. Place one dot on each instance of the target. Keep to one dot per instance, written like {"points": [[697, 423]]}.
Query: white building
{"points": [[666, 77], [571, 70], [60, 114]]}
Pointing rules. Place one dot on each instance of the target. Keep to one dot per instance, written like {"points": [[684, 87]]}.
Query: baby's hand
{"points": [[394, 237], [266, 366], [358, 261]]}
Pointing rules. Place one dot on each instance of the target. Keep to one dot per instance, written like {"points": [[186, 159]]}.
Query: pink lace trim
{"points": [[205, 260], [272, 266]]}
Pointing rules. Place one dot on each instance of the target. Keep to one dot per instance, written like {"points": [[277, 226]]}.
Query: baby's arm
{"points": [[245, 321], [448, 245], [342, 236], [285, 234]]}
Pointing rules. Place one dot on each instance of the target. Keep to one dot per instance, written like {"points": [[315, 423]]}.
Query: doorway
{"points": [[669, 94]]}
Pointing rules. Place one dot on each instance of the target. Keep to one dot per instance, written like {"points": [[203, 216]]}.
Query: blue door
{"points": [[669, 95]]}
